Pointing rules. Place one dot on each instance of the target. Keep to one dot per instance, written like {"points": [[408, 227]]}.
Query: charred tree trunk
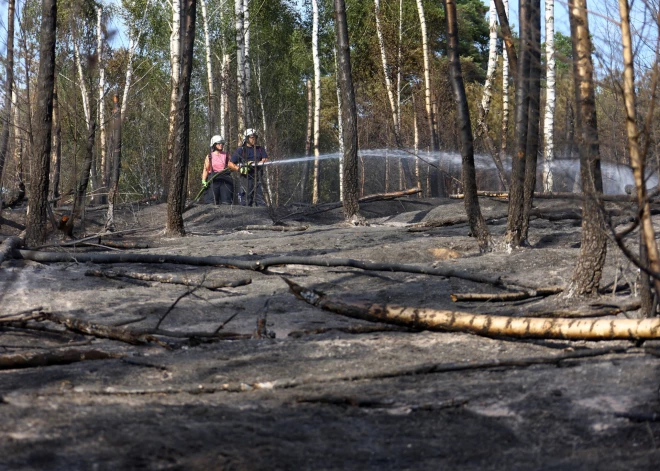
{"points": [[37, 218], [472, 208], [176, 198], [83, 179], [589, 268], [115, 165], [534, 113], [56, 151], [9, 86], [508, 37], [514, 235], [349, 114]]}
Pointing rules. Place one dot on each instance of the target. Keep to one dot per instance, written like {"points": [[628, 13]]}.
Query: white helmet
{"points": [[217, 139], [250, 132]]}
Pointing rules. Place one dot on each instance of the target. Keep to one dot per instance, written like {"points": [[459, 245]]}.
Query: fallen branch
{"points": [[570, 196], [504, 297], [273, 228], [104, 331], [64, 357], [486, 325], [356, 329], [428, 368], [169, 278], [256, 265], [95, 238], [321, 208]]}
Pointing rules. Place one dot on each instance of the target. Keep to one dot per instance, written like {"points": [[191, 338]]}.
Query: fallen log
{"points": [[572, 196], [169, 278], [485, 325], [63, 357], [505, 297], [256, 265]]}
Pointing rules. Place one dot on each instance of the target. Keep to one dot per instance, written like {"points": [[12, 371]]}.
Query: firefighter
{"points": [[216, 173], [246, 159]]}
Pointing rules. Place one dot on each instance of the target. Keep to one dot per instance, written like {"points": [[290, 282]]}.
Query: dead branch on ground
{"points": [[504, 297], [410, 370], [169, 278], [64, 357], [356, 329], [255, 265], [486, 325], [321, 208], [273, 228]]}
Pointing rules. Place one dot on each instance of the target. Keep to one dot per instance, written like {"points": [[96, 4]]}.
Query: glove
{"points": [[205, 184], [245, 168]]}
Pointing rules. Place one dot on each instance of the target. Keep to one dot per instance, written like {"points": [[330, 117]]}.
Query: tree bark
{"points": [[308, 142], [209, 72], [340, 131], [240, 67], [589, 268], [103, 145], [503, 14], [176, 198], [175, 74], [477, 224], [514, 236], [9, 87], [505, 93], [349, 115], [430, 115], [37, 217], [116, 165], [549, 120], [637, 158], [56, 151], [317, 99], [534, 114]]}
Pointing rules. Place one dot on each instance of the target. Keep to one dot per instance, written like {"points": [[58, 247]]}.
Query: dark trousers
{"points": [[222, 190], [252, 188]]}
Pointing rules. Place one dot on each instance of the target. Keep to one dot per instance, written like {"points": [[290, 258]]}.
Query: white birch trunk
{"points": [[386, 68], [240, 67], [133, 42], [416, 140], [549, 120], [317, 98], [102, 129], [246, 58], [398, 72], [224, 95], [209, 70], [505, 93], [81, 78], [492, 60], [427, 66], [340, 129], [269, 189], [175, 63]]}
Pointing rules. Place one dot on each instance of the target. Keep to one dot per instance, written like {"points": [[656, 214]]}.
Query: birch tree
{"points": [[240, 67], [430, 116], [484, 109], [101, 106], [505, 90], [176, 197], [175, 73], [549, 118], [317, 98], [209, 71]]}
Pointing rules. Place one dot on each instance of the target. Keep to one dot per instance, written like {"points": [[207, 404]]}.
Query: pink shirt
{"points": [[218, 161]]}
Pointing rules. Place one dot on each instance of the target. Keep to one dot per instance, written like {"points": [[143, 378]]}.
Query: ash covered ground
{"points": [[327, 392]]}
